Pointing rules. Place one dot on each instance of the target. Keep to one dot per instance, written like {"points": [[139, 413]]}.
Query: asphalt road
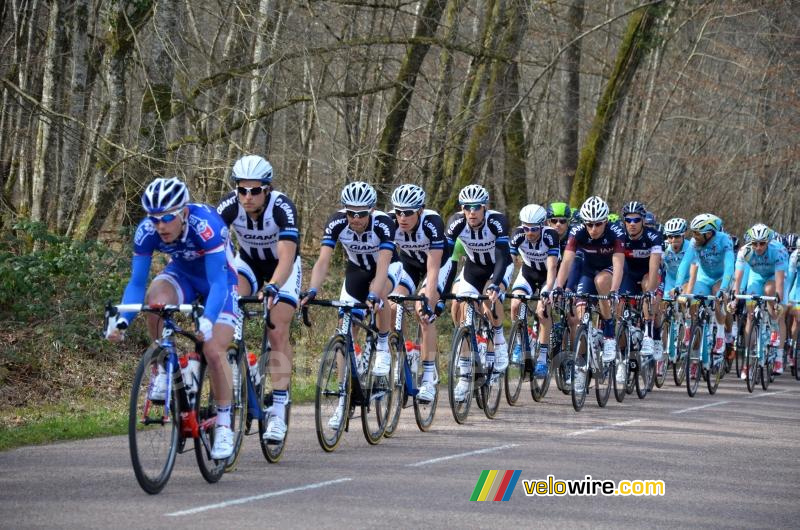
{"points": [[730, 460]]}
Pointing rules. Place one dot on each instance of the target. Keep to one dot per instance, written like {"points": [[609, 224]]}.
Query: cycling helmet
{"points": [[594, 209], [613, 218], [559, 209], [408, 196], [165, 194], [533, 214], [649, 218], [635, 207], [252, 167], [473, 194], [704, 223], [359, 194], [760, 232], [790, 241], [675, 227]]}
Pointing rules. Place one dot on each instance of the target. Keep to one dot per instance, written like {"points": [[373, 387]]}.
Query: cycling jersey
{"points": [[534, 254], [597, 252], [638, 251], [362, 249], [792, 284], [486, 245], [762, 268], [715, 261], [201, 264], [413, 248], [670, 264]]}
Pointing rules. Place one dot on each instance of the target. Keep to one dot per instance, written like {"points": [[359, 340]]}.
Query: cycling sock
{"points": [[608, 328], [383, 341], [224, 416], [499, 338], [543, 353], [428, 371], [279, 400]]}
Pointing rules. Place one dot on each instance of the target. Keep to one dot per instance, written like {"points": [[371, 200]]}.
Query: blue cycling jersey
{"points": [[774, 259], [791, 291], [203, 253], [672, 260], [715, 260]]}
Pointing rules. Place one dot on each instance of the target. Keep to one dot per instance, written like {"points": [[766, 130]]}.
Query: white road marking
{"points": [[243, 500], [602, 427], [462, 455], [769, 394], [714, 404]]}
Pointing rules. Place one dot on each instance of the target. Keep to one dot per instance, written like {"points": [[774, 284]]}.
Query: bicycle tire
{"points": [[397, 349], [272, 450], [766, 369], [375, 408], [424, 412], [580, 365], [621, 362], [794, 356], [333, 393], [681, 350], [602, 382], [491, 392], [152, 468], [461, 339], [206, 408], [515, 373], [540, 383], [238, 407], [715, 373], [562, 366], [644, 375], [751, 358], [693, 359]]}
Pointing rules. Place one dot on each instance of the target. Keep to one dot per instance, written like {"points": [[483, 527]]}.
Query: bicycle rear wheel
{"points": [[681, 351], [397, 348], [206, 406], [644, 374], [580, 369], [602, 382], [621, 367], [766, 369], [491, 392], [562, 362], [715, 372], [751, 358], [462, 345], [332, 400], [515, 373], [153, 442], [425, 411], [238, 405], [694, 365], [376, 405]]}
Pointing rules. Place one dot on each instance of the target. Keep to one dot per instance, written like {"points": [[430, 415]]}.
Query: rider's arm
{"points": [[432, 282], [381, 271], [737, 280], [552, 267], [384, 228], [215, 264], [566, 266], [653, 272], [135, 290], [285, 215], [730, 261], [498, 225], [618, 265], [683, 268]]}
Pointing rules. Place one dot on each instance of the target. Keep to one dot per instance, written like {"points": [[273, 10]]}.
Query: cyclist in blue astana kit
{"points": [[677, 245], [266, 226], [488, 268], [768, 262], [602, 268], [201, 264], [537, 246], [425, 260], [712, 251], [792, 294]]}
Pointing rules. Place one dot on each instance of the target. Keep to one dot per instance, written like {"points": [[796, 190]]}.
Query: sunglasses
{"points": [[593, 225], [256, 190], [472, 207], [558, 220], [759, 243], [404, 213], [674, 236], [165, 218], [535, 228], [356, 214], [633, 220]]}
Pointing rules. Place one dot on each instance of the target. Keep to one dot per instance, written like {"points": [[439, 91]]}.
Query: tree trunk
{"points": [[570, 124], [515, 184], [631, 50]]}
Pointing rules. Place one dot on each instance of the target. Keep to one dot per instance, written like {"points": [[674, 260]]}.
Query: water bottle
{"points": [[190, 370], [636, 339], [235, 376], [252, 362], [482, 348], [412, 352]]}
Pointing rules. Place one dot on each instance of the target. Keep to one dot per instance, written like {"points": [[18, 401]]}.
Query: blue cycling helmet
{"points": [[164, 195]]}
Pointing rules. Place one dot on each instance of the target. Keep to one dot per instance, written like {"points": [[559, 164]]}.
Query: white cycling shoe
{"points": [[223, 443]]}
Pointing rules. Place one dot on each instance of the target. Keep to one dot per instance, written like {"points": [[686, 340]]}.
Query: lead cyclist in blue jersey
{"points": [[712, 251], [197, 241]]}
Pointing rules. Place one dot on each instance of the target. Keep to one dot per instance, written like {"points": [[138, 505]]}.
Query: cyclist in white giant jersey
{"points": [[484, 234], [538, 247], [367, 236], [201, 265], [266, 226], [425, 258]]}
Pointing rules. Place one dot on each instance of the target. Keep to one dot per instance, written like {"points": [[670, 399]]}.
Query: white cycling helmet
{"points": [[705, 223], [760, 232], [359, 194], [594, 209], [675, 227], [164, 195], [408, 196], [252, 167], [473, 194], [533, 214]]}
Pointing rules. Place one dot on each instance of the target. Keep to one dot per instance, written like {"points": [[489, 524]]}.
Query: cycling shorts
{"points": [[529, 280], [288, 293], [473, 278], [189, 288]]}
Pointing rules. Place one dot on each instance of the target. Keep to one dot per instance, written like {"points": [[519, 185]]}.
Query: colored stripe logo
{"points": [[494, 485]]}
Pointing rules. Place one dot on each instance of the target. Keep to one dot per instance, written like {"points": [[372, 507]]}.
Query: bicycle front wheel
{"points": [[766, 369], [376, 404], [271, 449], [751, 358], [681, 351], [152, 438], [515, 372], [621, 362], [460, 376], [238, 404], [580, 369], [491, 391], [694, 364], [332, 401], [644, 375], [397, 349], [206, 408]]}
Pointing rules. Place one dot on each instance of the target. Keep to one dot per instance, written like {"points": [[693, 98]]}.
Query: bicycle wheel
{"points": [[794, 356], [206, 407], [424, 411], [563, 362], [661, 367], [694, 365], [271, 449], [751, 358], [491, 392], [681, 351], [766, 369], [153, 442], [377, 400], [462, 344], [715, 372], [397, 348], [580, 368], [332, 400], [515, 373], [644, 375], [239, 404], [602, 382], [621, 367]]}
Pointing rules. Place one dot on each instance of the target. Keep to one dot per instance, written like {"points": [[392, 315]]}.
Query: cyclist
{"points": [[675, 230], [792, 297], [712, 251], [266, 226], [484, 234], [643, 251], [768, 261], [558, 218], [537, 246], [650, 222], [424, 257], [367, 236], [602, 268], [201, 264]]}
